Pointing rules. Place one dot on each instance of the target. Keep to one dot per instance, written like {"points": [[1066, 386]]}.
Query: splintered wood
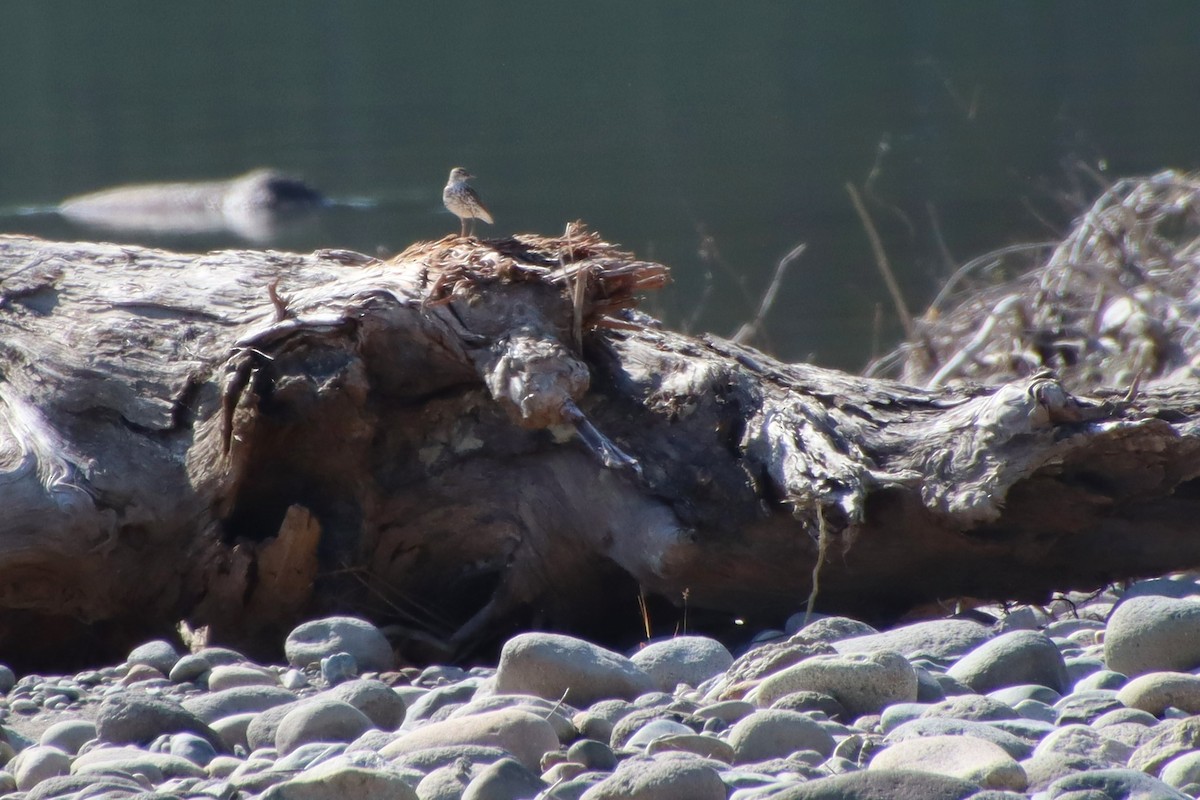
{"points": [[599, 276]]}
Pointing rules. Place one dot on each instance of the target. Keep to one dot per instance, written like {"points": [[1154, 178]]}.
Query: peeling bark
{"points": [[423, 441]]}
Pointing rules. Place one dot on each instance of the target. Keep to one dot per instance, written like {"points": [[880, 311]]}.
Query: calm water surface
{"points": [[664, 125]]}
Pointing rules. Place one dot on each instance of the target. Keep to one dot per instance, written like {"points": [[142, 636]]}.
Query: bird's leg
{"points": [[463, 233], [472, 226]]}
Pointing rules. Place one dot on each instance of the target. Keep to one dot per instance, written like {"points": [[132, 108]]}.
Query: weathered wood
{"points": [[423, 442]]}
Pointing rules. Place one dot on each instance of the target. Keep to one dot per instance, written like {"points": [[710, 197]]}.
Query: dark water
{"points": [[658, 123]]}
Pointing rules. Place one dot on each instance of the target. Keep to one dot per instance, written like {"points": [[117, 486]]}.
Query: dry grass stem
{"points": [[1117, 298]]}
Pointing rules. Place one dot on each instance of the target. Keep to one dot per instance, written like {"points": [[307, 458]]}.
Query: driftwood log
{"points": [[478, 436]]}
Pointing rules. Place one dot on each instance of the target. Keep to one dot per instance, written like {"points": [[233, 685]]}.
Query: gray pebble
{"points": [[1044, 769], [36, 764], [1123, 715], [689, 660], [660, 778], [192, 747], [941, 639], [1121, 783], [1081, 740], [1182, 772], [972, 706], [189, 668], [1170, 739], [1010, 659], [447, 782], [135, 718], [652, 730], [293, 679], [69, 735], [873, 784], [864, 683], [87, 786], [440, 675], [338, 668], [428, 759], [232, 729], [634, 721], [1083, 707], [1155, 692], [827, 629], [320, 721], [964, 757], [229, 676], [554, 667], [809, 701], [374, 698], [428, 704], [342, 781], [1152, 634], [929, 687], [1011, 695], [159, 654], [221, 656], [1012, 744], [775, 734], [1036, 710], [311, 641], [507, 779], [237, 700], [593, 755]]}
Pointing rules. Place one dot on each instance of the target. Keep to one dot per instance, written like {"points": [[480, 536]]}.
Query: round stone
{"points": [[189, 668], [338, 668], [878, 784], [336, 780], [238, 700], [772, 733], [1081, 740], [69, 735], [593, 755], [374, 698], [964, 757], [312, 641], [827, 629], [526, 736], [8, 679], [159, 654], [1019, 657], [319, 720], [135, 718], [1105, 783], [552, 666], [662, 777], [654, 729], [36, 764], [231, 675], [864, 683], [1181, 770], [191, 747], [939, 640], [1014, 745], [1154, 692], [505, 779], [689, 660], [1153, 634]]}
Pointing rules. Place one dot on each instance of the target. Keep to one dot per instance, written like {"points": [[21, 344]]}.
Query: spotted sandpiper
{"points": [[462, 201]]}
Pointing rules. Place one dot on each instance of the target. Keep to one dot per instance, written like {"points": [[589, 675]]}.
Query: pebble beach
{"points": [[1088, 698]]}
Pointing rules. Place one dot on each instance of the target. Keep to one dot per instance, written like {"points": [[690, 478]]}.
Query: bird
{"points": [[462, 201]]}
